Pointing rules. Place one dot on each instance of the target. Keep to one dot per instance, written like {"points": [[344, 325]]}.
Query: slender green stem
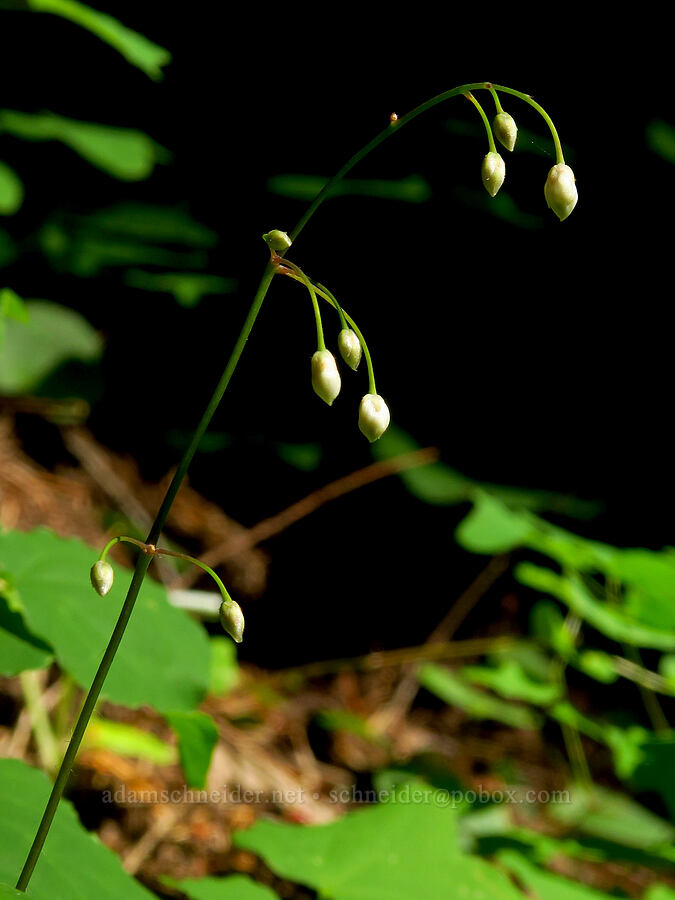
{"points": [[160, 551], [326, 294], [542, 112], [122, 538], [143, 560], [488, 129], [495, 97], [321, 343], [47, 747]]}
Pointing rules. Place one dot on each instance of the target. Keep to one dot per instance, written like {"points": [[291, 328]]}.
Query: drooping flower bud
{"points": [[102, 576], [493, 172], [560, 191], [350, 348], [232, 620], [277, 240], [505, 129], [373, 417], [325, 376]]}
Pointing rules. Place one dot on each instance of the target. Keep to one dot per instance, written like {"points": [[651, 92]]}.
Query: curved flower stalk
{"points": [[279, 242]]}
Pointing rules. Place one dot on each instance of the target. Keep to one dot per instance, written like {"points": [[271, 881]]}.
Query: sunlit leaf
{"points": [[135, 48], [235, 887], [413, 189], [52, 335], [545, 885], [124, 153], [163, 660], [19, 649], [451, 688], [224, 671], [74, 865], [509, 679], [11, 191], [150, 222], [491, 527], [128, 740], [197, 735]]}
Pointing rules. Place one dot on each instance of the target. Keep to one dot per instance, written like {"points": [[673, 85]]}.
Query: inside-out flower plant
{"points": [[373, 415]]}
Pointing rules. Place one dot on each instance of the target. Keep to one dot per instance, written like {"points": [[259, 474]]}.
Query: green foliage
{"points": [[188, 288], [19, 649], [661, 139], [127, 740], [224, 670], [164, 658], [396, 850], [74, 864], [236, 887], [124, 153], [413, 189], [11, 191], [197, 735], [135, 48], [509, 679], [544, 884], [33, 348]]}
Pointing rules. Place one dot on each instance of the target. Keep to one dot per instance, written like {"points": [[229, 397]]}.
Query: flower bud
{"points": [[350, 348], [325, 376], [373, 417], [232, 619], [277, 240], [493, 172], [560, 190], [505, 129], [102, 576]]}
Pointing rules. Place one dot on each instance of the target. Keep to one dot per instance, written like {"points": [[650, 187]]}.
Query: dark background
{"points": [[535, 357]]}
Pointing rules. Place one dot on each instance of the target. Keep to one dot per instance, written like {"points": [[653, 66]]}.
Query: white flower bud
{"points": [[232, 620], [560, 190], [493, 172], [277, 240], [102, 576], [505, 129], [325, 376], [373, 417], [350, 347]]}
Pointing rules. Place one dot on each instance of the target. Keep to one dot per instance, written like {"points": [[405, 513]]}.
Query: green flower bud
{"points": [[232, 620], [493, 172], [277, 240], [560, 191], [373, 417], [102, 576], [350, 347], [505, 129], [325, 376]]}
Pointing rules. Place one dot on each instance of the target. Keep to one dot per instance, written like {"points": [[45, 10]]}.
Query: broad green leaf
{"points": [[224, 670], [12, 306], [413, 189], [197, 735], [74, 865], [651, 579], [151, 223], [611, 620], [454, 690], [134, 47], [543, 884], [8, 891], [236, 887], [491, 527], [613, 816], [394, 851], [163, 659], [11, 191], [124, 153], [52, 335], [570, 550], [19, 649], [659, 892], [188, 288], [128, 740], [655, 767], [661, 139], [508, 679]]}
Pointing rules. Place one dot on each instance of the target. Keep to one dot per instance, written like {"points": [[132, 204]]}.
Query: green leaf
{"points": [[224, 671], [11, 191], [236, 887], [7, 891], [413, 189], [545, 884], [197, 735], [396, 851], [453, 690], [651, 578], [509, 679], [134, 47], [19, 649], [124, 153], [492, 528], [149, 222], [128, 740], [188, 288], [306, 457], [611, 620], [548, 625], [613, 816], [598, 665], [163, 660], [74, 865], [661, 139], [12, 306], [659, 892], [655, 767], [52, 335]]}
